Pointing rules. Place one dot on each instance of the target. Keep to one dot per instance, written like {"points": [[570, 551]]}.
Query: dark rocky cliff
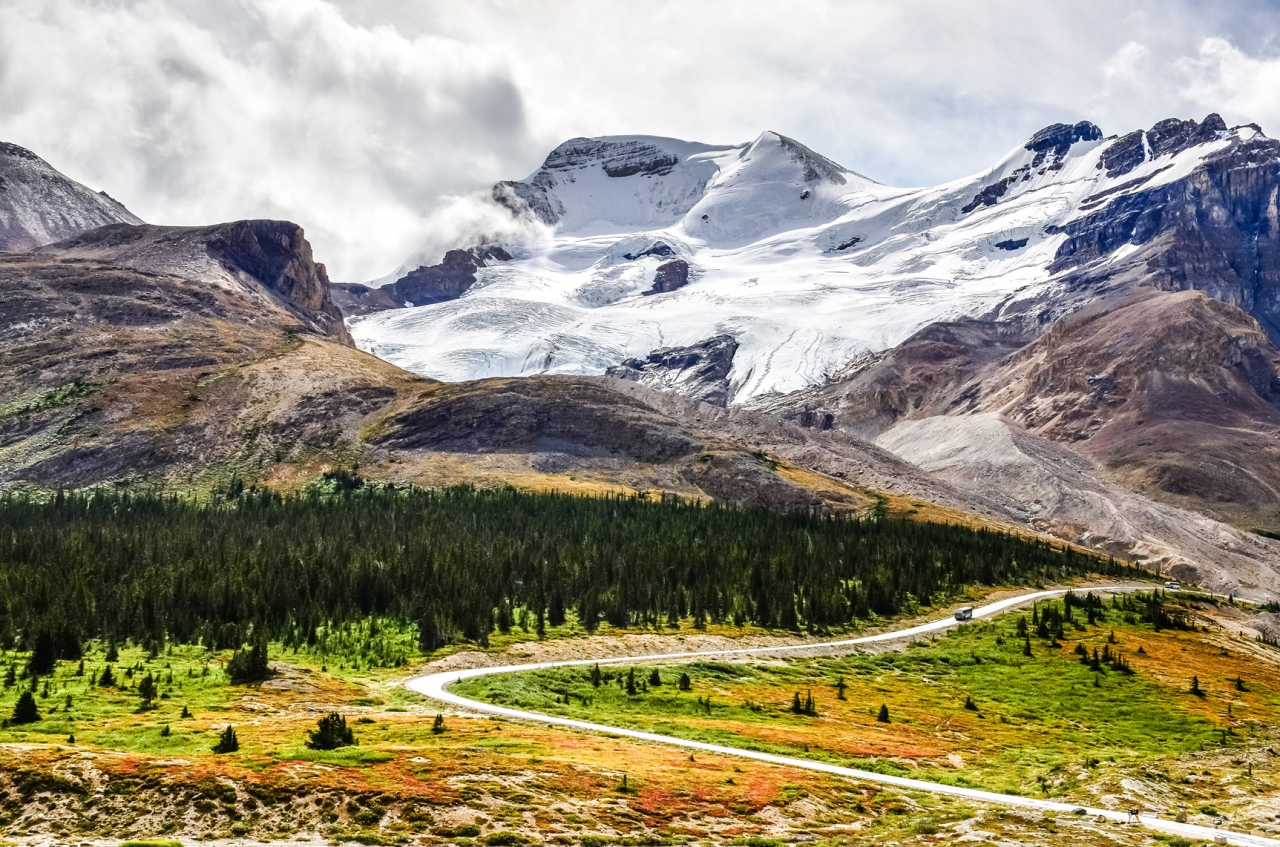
{"points": [[1215, 230], [272, 254]]}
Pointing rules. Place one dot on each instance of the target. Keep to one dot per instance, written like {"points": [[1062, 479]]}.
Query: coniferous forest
{"points": [[459, 563]]}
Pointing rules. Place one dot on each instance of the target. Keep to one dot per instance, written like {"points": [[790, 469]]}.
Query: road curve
{"points": [[436, 686]]}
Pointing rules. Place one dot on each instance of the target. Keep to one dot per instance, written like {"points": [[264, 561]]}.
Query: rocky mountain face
{"points": [[427, 284], [267, 261], [700, 371], [38, 205]]}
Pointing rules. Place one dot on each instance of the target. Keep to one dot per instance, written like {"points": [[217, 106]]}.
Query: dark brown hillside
{"points": [[1178, 393], [112, 373]]}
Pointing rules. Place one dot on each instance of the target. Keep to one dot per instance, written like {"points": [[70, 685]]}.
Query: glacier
{"points": [[804, 263]]}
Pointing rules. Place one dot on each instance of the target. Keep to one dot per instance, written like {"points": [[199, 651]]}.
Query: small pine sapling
{"points": [[331, 733], [227, 741]]}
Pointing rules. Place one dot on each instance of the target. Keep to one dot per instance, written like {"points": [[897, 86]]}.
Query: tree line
{"points": [[460, 563]]}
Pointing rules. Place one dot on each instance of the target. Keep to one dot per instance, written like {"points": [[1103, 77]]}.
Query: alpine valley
{"points": [[1079, 342]]}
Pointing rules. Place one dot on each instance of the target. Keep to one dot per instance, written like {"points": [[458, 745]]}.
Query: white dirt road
{"points": [[436, 686]]}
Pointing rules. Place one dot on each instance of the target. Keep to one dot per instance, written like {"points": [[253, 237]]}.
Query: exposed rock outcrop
{"points": [[670, 276], [700, 371], [1216, 230], [427, 284], [448, 280], [261, 258]]}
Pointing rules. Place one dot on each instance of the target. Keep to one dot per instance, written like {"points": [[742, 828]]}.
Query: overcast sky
{"points": [[362, 119]]}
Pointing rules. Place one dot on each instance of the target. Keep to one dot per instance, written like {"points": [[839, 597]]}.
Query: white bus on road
{"points": [[964, 613]]}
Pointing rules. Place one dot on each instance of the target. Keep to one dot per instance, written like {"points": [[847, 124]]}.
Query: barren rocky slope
{"points": [[39, 205]]}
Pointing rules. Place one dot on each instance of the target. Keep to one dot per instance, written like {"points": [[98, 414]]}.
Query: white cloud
{"points": [[360, 119], [353, 131], [1222, 78]]}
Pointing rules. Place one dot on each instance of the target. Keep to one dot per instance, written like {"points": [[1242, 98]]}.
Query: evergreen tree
{"points": [[1240, 685], [631, 682], [840, 688], [147, 691], [113, 654], [44, 655], [250, 665], [685, 683], [796, 706], [1026, 645], [10, 677], [108, 679], [596, 676], [186, 713], [227, 742], [438, 725], [25, 711], [1195, 686], [331, 733], [969, 704], [655, 678], [883, 717], [166, 732]]}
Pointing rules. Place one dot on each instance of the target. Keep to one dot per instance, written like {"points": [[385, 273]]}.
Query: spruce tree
{"points": [[227, 742], [655, 678], [186, 713], [1195, 686], [596, 675], [438, 726], [108, 679], [331, 733], [10, 677], [25, 711], [147, 691], [883, 717], [685, 683], [113, 654], [840, 688], [250, 665], [631, 682]]}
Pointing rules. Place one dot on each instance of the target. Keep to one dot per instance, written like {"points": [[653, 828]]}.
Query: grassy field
{"points": [[969, 708], [1040, 726]]}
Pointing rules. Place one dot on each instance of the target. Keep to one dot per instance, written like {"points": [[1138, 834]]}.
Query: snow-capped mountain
{"points": [[802, 262], [38, 205]]}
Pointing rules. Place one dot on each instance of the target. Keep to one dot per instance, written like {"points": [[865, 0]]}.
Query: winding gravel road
{"points": [[436, 686]]}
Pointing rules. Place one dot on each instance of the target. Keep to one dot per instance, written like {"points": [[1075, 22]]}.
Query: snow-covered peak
{"points": [[803, 262], [617, 183], [38, 205]]}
